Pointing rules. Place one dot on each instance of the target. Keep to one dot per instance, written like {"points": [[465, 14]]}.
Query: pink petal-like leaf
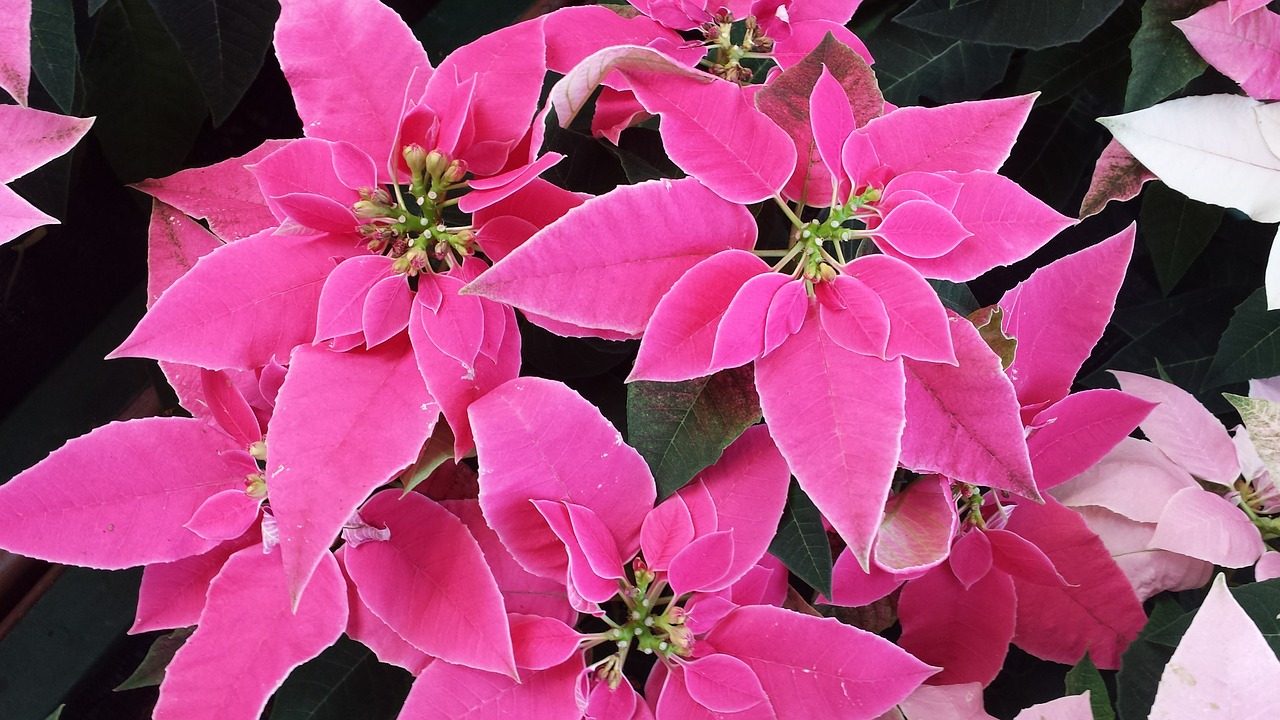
{"points": [[615, 281], [503, 95], [328, 450], [852, 586], [172, 594], [323, 48], [1183, 429], [1021, 559], [818, 667], [918, 325], [1116, 176], [667, 529], [787, 310], [229, 408], [226, 194], [241, 305], [709, 129], [1135, 480], [917, 527], [679, 341], [453, 692], [702, 565], [921, 229], [963, 421], [1073, 434], [594, 565], [1223, 666], [1148, 571], [965, 631], [368, 629], [1245, 48], [740, 335], [1072, 707], [17, 216], [840, 430], [522, 592], [386, 310], [722, 683], [15, 53], [454, 611], [1096, 610], [831, 119], [787, 100], [174, 243], [860, 323], [224, 516], [204, 680], [945, 702], [34, 137], [119, 496], [1202, 525], [453, 383], [673, 700], [971, 558], [1051, 352], [541, 642], [960, 137], [1007, 224], [539, 440]]}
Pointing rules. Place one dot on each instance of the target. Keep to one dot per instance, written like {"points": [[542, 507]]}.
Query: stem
{"points": [[795, 249], [795, 219]]}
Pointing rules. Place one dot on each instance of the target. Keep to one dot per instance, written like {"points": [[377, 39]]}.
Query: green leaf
{"points": [[223, 43], [955, 296], [454, 23], [1085, 676], [913, 67], [56, 714], [345, 681], [1250, 348], [1178, 334], [149, 110], [55, 59], [1143, 662], [1162, 60], [1097, 65], [439, 447], [1032, 24], [682, 427], [988, 321], [1176, 230], [801, 542], [1260, 601], [150, 672], [95, 6]]}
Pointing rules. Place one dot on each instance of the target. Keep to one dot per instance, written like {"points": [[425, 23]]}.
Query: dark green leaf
{"points": [[1097, 65], [1162, 60], [682, 427], [454, 23], [223, 42], [1085, 676], [95, 6], [913, 67], [345, 681], [151, 672], [642, 156], [1250, 347], [1179, 334], [1176, 229], [54, 56], [801, 542], [1048, 161], [1143, 662], [149, 110], [1031, 24], [1260, 601], [956, 296]]}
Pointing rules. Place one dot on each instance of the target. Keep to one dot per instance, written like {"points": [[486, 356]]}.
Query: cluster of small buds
{"points": [[729, 55], [255, 486], [258, 451]]}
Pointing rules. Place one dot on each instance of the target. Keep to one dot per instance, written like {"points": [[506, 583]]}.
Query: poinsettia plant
{"points": [[806, 471]]}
